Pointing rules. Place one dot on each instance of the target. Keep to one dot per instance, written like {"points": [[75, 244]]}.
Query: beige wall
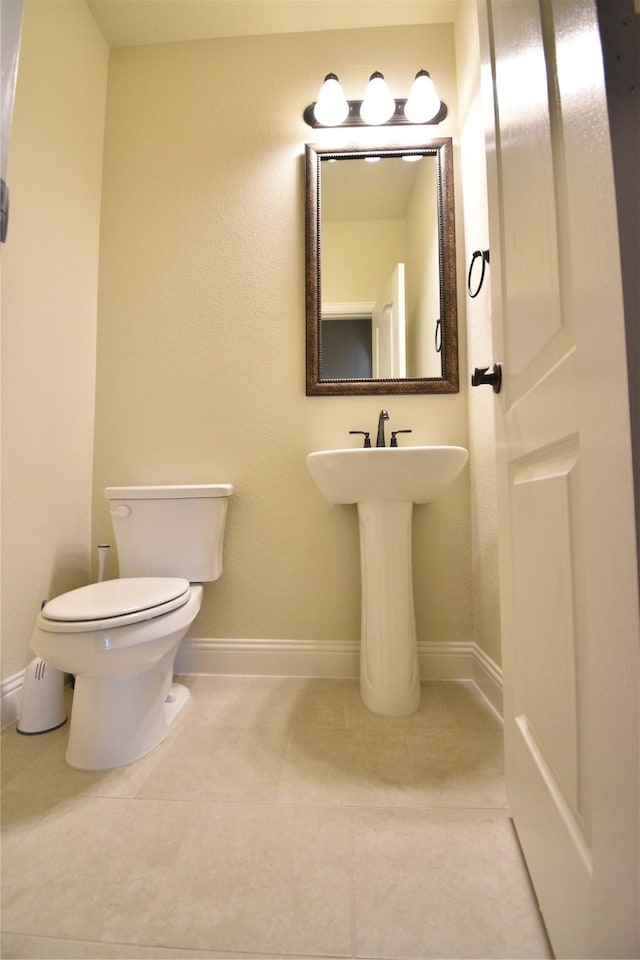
{"points": [[484, 547], [49, 302], [201, 333]]}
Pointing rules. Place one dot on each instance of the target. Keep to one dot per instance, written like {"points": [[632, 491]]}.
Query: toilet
{"points": [[119, 638]]}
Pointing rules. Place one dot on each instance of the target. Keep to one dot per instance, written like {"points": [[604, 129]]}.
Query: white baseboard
{"points": [[487, 676], [268, 658], [10, 698], [306, 658]]}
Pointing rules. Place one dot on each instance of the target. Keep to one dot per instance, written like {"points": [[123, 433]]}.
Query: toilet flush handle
{"points": [[122, 510]]}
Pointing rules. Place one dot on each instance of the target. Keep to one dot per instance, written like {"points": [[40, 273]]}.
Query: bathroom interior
{"points": [[153, 325]]}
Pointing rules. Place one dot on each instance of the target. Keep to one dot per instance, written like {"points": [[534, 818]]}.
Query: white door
{"points": [[568, 577], [388, 329]]}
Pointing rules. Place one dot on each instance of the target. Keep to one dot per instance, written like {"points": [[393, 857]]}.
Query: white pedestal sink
{"points": [[385, 482]]}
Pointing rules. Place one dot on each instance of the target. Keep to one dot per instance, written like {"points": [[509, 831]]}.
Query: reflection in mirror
{"points": [[381, 288]]}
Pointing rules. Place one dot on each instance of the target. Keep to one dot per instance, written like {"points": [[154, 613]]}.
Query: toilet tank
{"points": [[170, 531]]}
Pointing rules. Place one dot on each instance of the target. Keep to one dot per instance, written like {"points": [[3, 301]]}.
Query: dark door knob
{"points": [[492, 377]]}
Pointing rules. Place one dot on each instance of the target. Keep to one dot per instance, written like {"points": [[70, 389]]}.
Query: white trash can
{"points": [[42, 707]]}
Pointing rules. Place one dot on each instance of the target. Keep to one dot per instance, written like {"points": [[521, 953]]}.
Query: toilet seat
{"points": [[113, 603]]}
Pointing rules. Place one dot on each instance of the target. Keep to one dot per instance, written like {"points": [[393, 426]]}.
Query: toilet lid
{"points": [[118, 598]]}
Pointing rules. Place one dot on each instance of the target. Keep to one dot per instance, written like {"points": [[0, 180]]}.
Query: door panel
{"points": [[544, 498], [531, 269]]}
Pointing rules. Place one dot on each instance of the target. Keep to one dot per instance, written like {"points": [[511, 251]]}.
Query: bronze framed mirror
{"points": [[381, 311]]}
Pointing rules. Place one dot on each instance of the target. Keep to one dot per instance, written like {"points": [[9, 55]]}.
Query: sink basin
{"points": [[414, 474]]}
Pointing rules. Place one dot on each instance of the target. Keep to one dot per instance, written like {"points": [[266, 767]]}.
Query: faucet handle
{"points": [[394, 439], [367, 438]]}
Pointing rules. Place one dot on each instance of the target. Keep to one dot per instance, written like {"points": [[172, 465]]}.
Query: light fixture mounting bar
{"points": [[355, 120]]}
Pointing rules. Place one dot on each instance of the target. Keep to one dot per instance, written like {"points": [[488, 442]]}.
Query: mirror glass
{"points": [[380, 259]]}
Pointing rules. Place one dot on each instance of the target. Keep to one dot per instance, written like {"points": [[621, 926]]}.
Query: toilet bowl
{"points": [[119, 638]]}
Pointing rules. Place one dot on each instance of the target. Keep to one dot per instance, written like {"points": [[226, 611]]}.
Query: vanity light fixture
{"points": [[378, 108]]}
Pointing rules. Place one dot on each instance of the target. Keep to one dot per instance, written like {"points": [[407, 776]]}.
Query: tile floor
{"points": [[279, 819]]}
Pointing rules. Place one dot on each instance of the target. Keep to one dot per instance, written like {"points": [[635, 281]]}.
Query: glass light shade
{"points": [[423, 101], [378, 105], [331, 108]]}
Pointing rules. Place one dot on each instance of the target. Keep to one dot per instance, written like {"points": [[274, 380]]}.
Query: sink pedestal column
{"points": [[389, 675]]}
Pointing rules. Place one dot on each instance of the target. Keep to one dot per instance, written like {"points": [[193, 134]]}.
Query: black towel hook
{"points": [[482, 255]]}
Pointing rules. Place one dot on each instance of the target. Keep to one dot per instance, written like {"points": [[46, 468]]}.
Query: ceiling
{"points": [[126, 23]]}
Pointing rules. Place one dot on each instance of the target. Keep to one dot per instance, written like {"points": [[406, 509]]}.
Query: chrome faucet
{"points": [[380, 435]]}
